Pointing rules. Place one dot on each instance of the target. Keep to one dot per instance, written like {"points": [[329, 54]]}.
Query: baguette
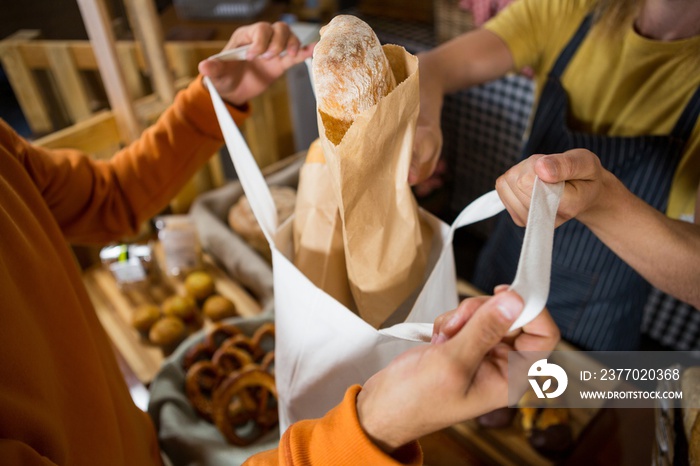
{"points": [[351, 73]]}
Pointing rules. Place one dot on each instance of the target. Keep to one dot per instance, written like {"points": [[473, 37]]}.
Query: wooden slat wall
{"points": [[94, 129], [21, 78]]}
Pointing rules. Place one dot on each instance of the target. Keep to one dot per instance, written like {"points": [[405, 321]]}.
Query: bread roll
{"points": [[351, 73], [242, 220]]}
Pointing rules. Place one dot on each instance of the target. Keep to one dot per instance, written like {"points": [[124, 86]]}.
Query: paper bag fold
{"points": [[386, 242]]}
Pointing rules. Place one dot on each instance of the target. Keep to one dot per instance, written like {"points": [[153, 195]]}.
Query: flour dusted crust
{"points": [[351, 73]]}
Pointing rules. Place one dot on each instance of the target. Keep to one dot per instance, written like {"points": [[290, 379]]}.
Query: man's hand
{"points": [[238, 81], [586, 181], [463, 374]]}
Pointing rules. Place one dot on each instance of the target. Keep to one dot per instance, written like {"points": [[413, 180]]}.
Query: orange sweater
{"points": [[62, 396], [337, 439]]}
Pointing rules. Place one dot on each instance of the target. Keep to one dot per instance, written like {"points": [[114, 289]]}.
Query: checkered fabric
{"points": [[483, 130], [672, 323]]}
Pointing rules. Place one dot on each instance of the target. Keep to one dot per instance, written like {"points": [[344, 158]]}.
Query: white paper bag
{"points": [[322, 347]]}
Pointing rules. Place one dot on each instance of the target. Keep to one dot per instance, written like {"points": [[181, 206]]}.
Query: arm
{"points": [[338, 439], [16, 452], [664, 251], [462, 374], [98, 201], [473, 58]]}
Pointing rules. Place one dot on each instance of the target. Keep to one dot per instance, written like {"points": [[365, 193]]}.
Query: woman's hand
{"points": [[427, 147], [238, 81], [586, 182], [463, 374]]}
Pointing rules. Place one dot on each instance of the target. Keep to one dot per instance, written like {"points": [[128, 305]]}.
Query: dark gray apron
{"points": [[596, 299]]}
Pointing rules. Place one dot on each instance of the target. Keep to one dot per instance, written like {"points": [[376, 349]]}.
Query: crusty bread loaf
{"points": [[351, 73]]}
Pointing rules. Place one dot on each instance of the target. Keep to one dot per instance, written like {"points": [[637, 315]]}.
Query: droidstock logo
{"points": [[542, 370]]}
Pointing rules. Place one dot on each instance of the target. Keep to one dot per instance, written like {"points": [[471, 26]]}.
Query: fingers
{"points": [[485, 329], [299, 56], [515, 189], [212, 68], [270, 40], [540, 334], [426, 153], [575, 164], [450, 323], [516, 206], [266, 40]]}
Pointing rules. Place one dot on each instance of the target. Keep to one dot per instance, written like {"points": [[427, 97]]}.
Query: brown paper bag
{"points": [[386, 241], [318, 235]]}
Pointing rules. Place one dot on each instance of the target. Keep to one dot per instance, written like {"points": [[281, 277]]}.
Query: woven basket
{"points": [[403, 10], [451, 20]]}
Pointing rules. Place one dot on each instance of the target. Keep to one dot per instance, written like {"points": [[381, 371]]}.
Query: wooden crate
{"points": [[451, 20], [412, 10], [91, 126]]}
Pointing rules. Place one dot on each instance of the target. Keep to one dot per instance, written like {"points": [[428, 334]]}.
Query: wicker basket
{"points": [[411, 10], [451, 20]]}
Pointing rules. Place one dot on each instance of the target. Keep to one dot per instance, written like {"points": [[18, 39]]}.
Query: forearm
{"points": [[473, 58], [664, 251], [99, 201]]}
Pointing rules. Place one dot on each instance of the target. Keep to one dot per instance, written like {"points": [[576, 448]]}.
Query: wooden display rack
{"points": [[114, 308], [140, 79]]}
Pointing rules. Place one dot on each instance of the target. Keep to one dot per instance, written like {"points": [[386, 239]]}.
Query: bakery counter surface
{"points": [[114, 308], [609, 437], [606, 436]]}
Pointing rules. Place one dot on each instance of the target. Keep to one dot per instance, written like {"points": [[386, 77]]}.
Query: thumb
{"points": [[487, 327], [574, 164], [211, 68]]}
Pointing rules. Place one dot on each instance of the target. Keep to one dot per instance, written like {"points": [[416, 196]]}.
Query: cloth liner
{"points": [[243, 263], [185, 438]]}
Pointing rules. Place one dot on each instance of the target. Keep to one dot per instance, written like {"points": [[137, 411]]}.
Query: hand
{"points": [[463, 374], [427, 146], [239, 81], [586, 181]]}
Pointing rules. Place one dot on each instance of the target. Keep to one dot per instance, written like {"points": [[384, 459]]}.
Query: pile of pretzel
{"points": [[230, 382]]}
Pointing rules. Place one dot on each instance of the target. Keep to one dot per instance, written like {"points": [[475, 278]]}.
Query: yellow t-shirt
{"points": [[627, 86]]}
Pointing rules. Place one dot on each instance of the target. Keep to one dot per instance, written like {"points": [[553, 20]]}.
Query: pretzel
{"points": [[220, 333], [264, 337], [244, 343], [199, 352], [231, 358], [245, 406], [268, 363], [200, 383]]}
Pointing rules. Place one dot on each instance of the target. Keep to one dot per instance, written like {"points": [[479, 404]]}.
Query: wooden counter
{"points": [[603, 437], [114, 308]]}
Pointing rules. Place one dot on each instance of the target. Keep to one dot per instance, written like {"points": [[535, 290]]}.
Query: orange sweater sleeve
{"points": [[63, 398], [336, 439], [98, 201]]}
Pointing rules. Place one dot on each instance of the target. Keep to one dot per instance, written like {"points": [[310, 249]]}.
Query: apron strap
{"points": [[570, 49], [686, 122]]}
